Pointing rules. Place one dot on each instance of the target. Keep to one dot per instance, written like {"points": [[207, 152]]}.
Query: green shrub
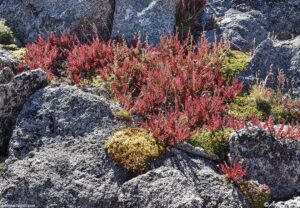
{"points": [[216, 142], [6, 35], [244, 107], [256, 194], [235, 62], [133, 148]]}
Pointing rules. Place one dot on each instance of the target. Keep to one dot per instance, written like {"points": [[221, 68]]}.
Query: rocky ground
{"points": [[52, 136]]}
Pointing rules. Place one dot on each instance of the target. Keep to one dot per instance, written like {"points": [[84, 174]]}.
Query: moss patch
{"points": [[216, 142], [124, 115], [2, 165], [6, 34], [133, 148], [244, 107], [235, 62], [17, 53], [255, 193]]}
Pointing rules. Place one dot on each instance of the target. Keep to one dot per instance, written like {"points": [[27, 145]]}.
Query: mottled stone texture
{"points": [[271, 161], [151, 18], [248, 23], [6, 75], [292, 203], [32, 18], [12, 97], [57, 156]]}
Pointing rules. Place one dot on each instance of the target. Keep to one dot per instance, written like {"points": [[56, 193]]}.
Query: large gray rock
{"points": [[57, 156], [179, 180], [13, 95], [274, 11], [271, 161], [162, 187], [151, 18], [241, 28], [32, 18], [277, 55], [248, 23], [292, 203], [205, 178]]}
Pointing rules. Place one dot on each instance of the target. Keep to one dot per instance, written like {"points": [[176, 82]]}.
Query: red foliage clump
{"points": [[50, 54], [234, 172], [86, 60], [176, 86], [172, 126]]}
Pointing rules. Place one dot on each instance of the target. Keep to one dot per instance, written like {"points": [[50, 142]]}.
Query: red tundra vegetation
{"points": [[176, 86]]}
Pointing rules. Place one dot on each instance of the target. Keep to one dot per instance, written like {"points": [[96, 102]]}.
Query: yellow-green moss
{"points": [[17, 53], [235, 62], [6, 35], [216, 142], [97, 81], [260, 92], [256, 194], [9, 47], [263, 102], [281, 114], [124, 115], [2, 165], [133, 148], [244, 107]]}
